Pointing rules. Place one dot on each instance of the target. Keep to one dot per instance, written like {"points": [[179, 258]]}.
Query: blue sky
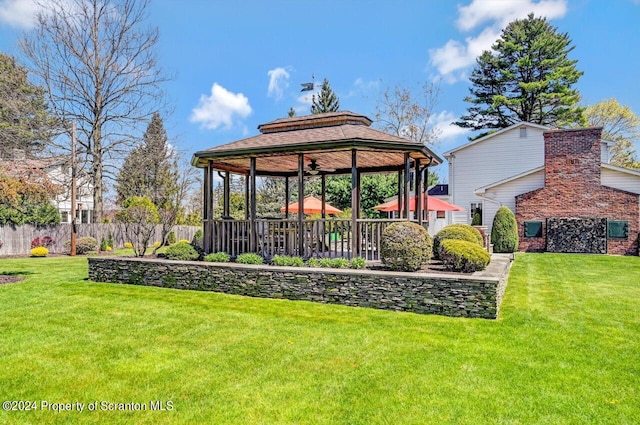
{"points": [[240, 63]]}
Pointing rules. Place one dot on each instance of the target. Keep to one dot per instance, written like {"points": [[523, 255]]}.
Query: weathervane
{"points": [[310, 86]]}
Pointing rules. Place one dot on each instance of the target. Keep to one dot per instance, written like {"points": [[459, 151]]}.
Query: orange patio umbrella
{"points": [[432, 203], [312, 205]]}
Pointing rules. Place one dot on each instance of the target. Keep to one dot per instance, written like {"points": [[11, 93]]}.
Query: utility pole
{"points": [[73, 189]]}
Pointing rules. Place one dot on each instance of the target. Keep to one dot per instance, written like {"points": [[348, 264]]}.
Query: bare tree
{"points": [[98, 66], [404, 114]]}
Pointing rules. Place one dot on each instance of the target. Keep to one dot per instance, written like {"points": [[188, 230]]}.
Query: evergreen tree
{"points": [[25, 122], [326, 101], [620, 125], [150, 170], [527, 76]]}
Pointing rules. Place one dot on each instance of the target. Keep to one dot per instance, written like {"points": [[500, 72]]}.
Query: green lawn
{"points": [[565, 350]]}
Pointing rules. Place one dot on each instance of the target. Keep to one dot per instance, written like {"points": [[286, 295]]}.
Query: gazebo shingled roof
{"points": [[326, 138]]}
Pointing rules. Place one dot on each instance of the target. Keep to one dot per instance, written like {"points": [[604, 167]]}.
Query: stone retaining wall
{"points": [[475, 295]]}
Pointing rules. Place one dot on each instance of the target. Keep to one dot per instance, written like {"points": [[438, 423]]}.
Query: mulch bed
{"points": [[4, 278]]}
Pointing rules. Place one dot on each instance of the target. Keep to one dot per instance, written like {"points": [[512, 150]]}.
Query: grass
{"points": [[565, 350]]}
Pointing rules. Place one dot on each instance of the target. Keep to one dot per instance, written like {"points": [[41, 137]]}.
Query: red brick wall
{"points": [[573, 189]]}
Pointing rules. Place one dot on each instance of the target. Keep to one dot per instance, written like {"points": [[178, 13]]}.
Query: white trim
{"points": [[479, 191], [489, 136], [635, 173]]}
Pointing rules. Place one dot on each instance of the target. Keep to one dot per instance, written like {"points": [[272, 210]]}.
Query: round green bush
{"points": [[463, 256], [182, 251], [462, 232], [218, 257], [504, 232], [405, 246], [313, 262], [171, 238], [249, 258]]}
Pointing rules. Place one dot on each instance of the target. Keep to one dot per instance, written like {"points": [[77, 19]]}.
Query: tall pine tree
{"points": [[150, 170], [527, 76], [25, 121], [326, 101]]}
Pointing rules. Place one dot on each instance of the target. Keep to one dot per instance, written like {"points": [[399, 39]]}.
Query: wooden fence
{"points": [[17, 240]]}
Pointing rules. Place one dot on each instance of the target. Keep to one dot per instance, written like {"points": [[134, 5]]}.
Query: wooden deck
{"points": [[322, 238]]}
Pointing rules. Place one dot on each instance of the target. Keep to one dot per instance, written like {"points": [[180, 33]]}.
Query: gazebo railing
{"points": [[321, 238]]}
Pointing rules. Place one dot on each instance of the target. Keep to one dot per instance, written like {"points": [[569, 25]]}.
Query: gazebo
{"points": [[320, 145]]}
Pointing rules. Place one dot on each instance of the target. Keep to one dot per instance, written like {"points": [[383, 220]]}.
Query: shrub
{"points": [[325, 262], [463, 256], [110, 242], [103, 244], [39, 251], [405, 246], [249, 258], [184, 241], [83, 245], [504, 232], [45, 241], [128, 245], [287, 260], [477, 219], [182, 251], [462, 232], [313, 262], [156, 244], [171, 238], [218, 257], [339, 263], [198, 239], [358, 263]]}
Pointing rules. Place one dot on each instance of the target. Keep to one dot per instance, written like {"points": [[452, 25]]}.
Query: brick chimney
{"points": [[572, 158]]}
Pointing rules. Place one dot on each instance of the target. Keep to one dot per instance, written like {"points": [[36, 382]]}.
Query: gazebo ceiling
{"points": [[328, 139]]}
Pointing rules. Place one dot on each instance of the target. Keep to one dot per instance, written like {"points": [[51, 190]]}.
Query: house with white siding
{"points": [[491, 171]]}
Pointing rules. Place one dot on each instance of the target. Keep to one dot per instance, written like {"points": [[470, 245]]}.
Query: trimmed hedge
{"points": [[504, 232], [461, 232], [463, 256], [405, 246], [183, 251]]}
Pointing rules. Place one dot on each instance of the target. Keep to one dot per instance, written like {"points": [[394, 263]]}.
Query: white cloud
{"points": [[452, 59], [502, 12], [220, 108], [278, 82], [18, 13], [443, 124]]}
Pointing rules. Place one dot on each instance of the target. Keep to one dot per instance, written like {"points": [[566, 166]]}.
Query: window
{"points": [[64, 216], [475, 213], [618, 229], [440, 214], [523, 132], [532, 229]]}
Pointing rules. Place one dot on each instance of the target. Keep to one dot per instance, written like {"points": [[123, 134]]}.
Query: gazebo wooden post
{"points": [[355, 197], [246, 196], [399, 193], [207, 214], [252, 203], [301, 205], [418, 191], [323, 186], [227, 193], [286, 197], [425, 190], [407, 177]]}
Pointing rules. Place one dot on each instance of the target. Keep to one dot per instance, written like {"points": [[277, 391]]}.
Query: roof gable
{"points": [[497, 133]]}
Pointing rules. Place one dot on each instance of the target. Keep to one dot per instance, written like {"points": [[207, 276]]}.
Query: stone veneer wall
{"points": [[573, 190], [449, 295]]}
